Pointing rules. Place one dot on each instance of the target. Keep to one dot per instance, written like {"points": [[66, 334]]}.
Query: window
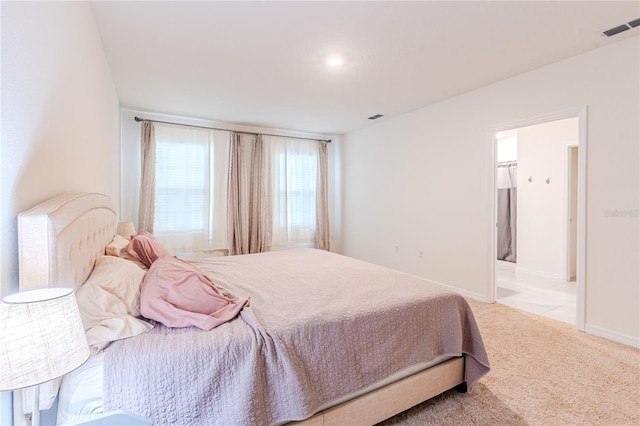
{"points": [[294, 174], [275, 191], [190, 188]]}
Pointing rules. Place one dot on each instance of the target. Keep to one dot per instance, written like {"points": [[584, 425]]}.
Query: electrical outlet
{"points": [[420, 253], [396, 249]]}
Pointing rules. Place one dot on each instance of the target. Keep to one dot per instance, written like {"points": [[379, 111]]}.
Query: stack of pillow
{"points": [[109, 300]]}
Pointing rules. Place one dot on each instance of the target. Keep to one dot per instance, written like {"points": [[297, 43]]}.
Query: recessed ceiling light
{"points": [[335, 61]]}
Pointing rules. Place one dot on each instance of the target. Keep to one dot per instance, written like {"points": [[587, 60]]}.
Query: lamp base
{"points": [[35, 415]]}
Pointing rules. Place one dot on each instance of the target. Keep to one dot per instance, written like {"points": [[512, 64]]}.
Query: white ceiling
{"points": [[263, 63]]}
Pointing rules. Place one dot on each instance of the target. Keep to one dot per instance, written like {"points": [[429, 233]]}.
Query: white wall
{"points": [[423, 181], [60, 117], [540, 213]]}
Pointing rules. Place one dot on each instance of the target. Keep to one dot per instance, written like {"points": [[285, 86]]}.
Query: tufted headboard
{"points": [[58, 243], [60, 239]]}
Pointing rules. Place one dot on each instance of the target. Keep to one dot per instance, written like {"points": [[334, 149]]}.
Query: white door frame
{"points": [[567, 171], [581, 114]]}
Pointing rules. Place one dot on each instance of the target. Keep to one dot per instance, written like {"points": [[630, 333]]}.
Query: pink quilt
{"points": [[320, 326]]}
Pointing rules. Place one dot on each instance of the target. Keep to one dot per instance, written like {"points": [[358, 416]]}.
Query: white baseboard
{"points": [[613, 336], [464, 293], [589, 329], [539, 273]]}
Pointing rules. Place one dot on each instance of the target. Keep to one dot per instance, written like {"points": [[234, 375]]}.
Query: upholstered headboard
{"points": [[58, 244], [60, 239]]}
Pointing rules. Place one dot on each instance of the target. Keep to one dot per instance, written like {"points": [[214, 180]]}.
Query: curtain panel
{"points": [[241, 154], [507, 212], [148, 178], [277, 194], [259, 200], [322, 199], [249, 200]]}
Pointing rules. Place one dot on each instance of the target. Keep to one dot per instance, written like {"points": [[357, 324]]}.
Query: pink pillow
{"points": [[146, 248]]}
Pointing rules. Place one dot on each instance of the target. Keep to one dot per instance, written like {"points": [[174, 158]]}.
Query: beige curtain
{"points": [[148, 180], [249, 204], [260, 202], [241, 152], [322, 208], [265, 182]]}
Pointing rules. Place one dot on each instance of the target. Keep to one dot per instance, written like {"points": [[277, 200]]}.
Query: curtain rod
{"points": [[138, 119]]}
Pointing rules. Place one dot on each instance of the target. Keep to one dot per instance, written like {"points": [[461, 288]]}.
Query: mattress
{"points": [[80, 395]]}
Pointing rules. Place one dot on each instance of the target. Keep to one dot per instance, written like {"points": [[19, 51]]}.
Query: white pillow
{"points": [[109, 302]]}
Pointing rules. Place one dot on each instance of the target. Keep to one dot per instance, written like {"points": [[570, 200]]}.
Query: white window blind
{"points": [[294, 169], [191, 188]]}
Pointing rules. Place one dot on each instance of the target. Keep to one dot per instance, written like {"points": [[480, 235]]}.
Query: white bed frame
{"points": [[60, 239]]}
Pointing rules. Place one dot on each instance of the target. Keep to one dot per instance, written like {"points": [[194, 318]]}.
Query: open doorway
{"points": [[539, 216]]}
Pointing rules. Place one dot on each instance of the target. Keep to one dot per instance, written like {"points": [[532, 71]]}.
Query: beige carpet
{"points": [[543, 372]]}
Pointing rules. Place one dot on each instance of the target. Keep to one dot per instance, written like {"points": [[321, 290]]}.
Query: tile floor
{"points": [[535, 293]]}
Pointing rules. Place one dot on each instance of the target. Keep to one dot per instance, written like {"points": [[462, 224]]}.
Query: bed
{"points": [[325, 340]]}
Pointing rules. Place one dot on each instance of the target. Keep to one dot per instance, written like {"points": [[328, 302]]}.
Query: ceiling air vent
{"points": [[375, 117], [621, 28], [616, 30]]}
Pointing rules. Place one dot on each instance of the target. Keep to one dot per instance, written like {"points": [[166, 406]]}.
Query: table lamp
{"points": [[126, 229], [41, 338]]}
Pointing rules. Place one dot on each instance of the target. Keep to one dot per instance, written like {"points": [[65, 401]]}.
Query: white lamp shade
{"points": [[41, 337]]}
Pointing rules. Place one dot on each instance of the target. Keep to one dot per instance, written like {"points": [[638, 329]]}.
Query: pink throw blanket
{"points": [[179, 294], [146, 248]]}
